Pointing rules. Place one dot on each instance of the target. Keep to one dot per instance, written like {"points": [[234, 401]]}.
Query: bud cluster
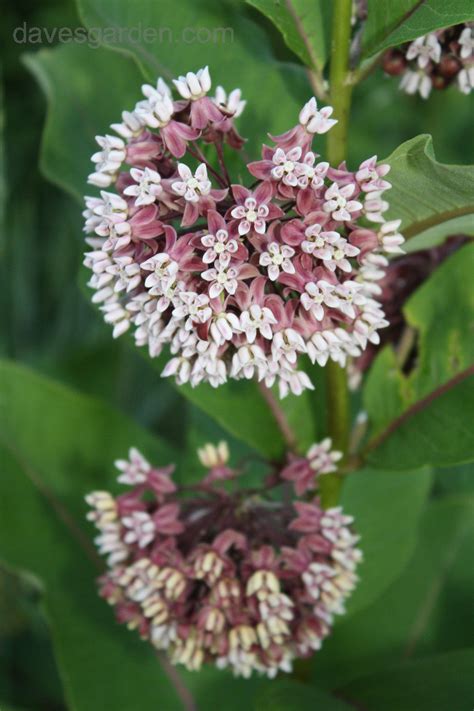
{"points": [[436, 60], [238, 578], [239, 281]]}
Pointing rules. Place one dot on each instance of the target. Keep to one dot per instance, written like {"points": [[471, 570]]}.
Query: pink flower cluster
{"points": [[238, 281], [435, 61], [242, 580]]}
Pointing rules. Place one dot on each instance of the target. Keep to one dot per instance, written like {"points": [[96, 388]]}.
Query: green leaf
{"points": [[436, 235], [304, 24], [56, 446], [426, 194], [436, 430], [393, 22], [189, 35], [440, 682], [386, 507], [458, 480], [438, 392], [423, 611], [445, 344], [3, 187], [445, 336], [285, 695]]}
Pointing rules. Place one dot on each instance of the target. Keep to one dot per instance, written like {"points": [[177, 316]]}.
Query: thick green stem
{"points": [[337, 395], [340, 87]]}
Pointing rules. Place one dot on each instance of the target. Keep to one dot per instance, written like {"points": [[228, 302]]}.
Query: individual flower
{"points": [[337, 203], [231, 104], [253, 210], [314, 120], [303, 471], [277, 258], [257, 320], [108, 160], [425, 49], [222, 276], [235, 281], [194, 87], [192, 187], [218, 241], [147, 188], [269, 574], [316, 296]]}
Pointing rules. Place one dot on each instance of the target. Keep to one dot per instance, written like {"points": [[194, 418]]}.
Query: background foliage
{"points": [[404, 645]]}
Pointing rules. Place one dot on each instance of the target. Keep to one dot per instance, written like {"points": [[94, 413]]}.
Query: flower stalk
{"points": [[337, 395]]}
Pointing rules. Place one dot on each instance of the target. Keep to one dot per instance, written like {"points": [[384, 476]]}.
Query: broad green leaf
{"points": [[56, 446], [386, 391], [458, 480], [434, 236], [386, 507], [445, 336], [393, 22], [304, 24], [427, 194], [188, 35], [285, 695], [445, 341], [29, 676], [423, 611], [441, 682], [436, 431], [87, 89], [3, 187], [445, 346]]}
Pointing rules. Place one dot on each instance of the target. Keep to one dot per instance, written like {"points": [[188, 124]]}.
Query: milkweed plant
{"points": [[278, 291]]}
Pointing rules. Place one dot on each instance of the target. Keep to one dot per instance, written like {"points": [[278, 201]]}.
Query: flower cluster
{"points": [[238, 281], [435, 61], [240, 579]]}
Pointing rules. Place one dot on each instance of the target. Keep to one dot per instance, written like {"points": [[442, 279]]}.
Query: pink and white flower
{"points": [[277, 258], [425, 49], [148, 186], [337, 203], [223, 276], [192, 187], [316, 296], [237, 282]]}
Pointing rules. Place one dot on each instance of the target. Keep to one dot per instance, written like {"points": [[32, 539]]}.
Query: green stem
{"points": [[337, 395], [339, 85]]}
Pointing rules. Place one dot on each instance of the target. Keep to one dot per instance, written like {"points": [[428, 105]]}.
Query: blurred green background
{"points": [[49, 324]]}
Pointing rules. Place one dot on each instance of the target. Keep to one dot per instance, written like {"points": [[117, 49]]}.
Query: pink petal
{"points": [[240, 193]]}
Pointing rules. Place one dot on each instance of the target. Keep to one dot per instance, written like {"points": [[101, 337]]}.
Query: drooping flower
{"points": [[237, 281], [302, 471], [220, 576]]}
